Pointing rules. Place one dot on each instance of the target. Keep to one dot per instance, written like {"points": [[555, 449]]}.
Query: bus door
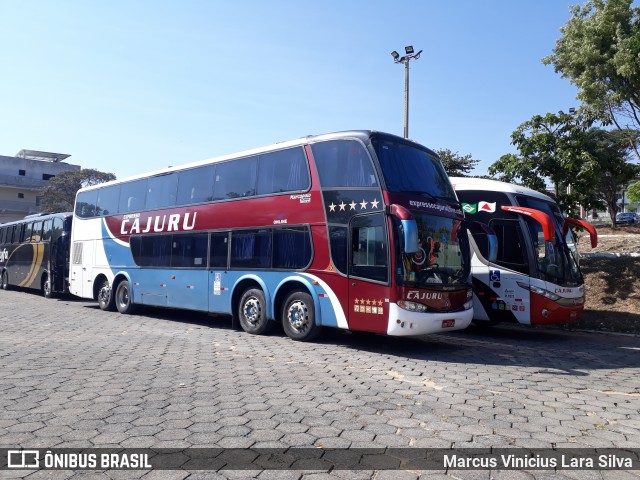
{"points": [[219, 288], [501, 289], [369, 274], [187, 280], [81, 275]]}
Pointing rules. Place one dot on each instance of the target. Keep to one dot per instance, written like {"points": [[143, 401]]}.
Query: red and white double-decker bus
{"points": [[357, 230], [535, 277]]}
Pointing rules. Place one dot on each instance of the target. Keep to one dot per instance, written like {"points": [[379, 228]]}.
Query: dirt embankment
{"points": [[612, 283]]}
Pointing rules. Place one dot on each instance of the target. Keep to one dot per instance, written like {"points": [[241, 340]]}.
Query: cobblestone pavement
{"points": [[72, 375]]}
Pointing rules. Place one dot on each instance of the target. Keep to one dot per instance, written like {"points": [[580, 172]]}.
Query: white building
{"points": [[22, 178]]}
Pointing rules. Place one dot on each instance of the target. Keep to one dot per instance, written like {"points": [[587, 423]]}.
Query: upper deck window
{"points": [[409, 169], [343, 163]]}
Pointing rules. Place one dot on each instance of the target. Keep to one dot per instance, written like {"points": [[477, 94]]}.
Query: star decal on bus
{"points": [[353, 205], [374, 204], [332, 207], [342, 206], [363, 204]]}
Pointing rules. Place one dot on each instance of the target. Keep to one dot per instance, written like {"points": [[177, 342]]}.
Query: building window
{"points": [[22, 173], [47, 176], [21, 195]]}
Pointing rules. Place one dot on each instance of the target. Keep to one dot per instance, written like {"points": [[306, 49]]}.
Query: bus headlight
{"points": [[540, 291], [468, 304], [412, 306]]}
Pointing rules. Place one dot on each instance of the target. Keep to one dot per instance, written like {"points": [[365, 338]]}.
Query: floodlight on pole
{"points": [[409, 55]]}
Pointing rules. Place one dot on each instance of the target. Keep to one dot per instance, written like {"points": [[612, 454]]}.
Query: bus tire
{"points": [[106, 298], [47, 290], [252, 312], [4, 282], [298, 317], [123, 300]]}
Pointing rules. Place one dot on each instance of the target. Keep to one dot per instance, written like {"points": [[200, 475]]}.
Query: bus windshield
{"points": [[557, 264], [409, 169], [442, 260]]}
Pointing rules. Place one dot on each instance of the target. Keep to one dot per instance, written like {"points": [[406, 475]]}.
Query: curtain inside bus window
{"points": [[251, 249], [283, 171], [343, 163], [291, 248]]}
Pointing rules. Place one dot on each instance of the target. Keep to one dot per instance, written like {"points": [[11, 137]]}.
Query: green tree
{"points": [[586, 166], [633, 193], [456, 165], [599, 52], [610, 152], [60, 194], [551, 149]]}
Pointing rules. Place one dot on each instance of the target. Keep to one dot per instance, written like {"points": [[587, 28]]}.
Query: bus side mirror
{"points": [[481, 230], [409, 227]]}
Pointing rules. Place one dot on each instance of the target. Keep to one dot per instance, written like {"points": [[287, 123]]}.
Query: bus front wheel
{"points": [[252, 312], [4, 283], [124, 302], [298, 317], [106, 298]]}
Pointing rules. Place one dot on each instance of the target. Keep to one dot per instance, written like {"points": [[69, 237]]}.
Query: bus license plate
{"points": [[448, 323]]}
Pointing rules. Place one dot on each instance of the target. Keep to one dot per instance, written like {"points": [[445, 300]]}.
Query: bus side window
{"points": [[46, 230], [291, 248], [369, 249], [235, 179], [343, 163], [107, 203], [283, 171], [36, 233], [195, 185], [219, 250], [511, 245], [161, 191], [3, 232], [18, 233]]}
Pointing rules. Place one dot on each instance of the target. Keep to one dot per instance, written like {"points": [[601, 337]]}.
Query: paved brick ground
{"points": [[74, 376]]}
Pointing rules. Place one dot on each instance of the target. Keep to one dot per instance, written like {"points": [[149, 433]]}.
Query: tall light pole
{"points": [[409, 55]]}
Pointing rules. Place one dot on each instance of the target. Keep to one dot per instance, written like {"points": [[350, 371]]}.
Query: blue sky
{"points": [[132, 86]]}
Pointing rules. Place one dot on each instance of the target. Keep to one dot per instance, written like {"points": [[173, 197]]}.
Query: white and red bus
{"points": [[535, 278], [356, 230]]}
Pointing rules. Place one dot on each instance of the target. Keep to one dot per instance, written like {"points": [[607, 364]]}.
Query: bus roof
{"points": [[39, 216], [469, 183], [362, 134]]}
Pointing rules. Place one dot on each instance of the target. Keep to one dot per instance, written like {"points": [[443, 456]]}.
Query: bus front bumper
{"points": [[405, 323]]}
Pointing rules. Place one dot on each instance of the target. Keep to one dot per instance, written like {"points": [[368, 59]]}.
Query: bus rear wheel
{"points": [[123, 300], [298, 317], [106, 299], [252, 312], [4, 282]]}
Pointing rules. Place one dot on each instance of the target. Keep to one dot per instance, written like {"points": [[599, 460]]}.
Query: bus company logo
{"points": [[417, 295], [4, 255], [303, 197], [563, 290], [158, 223]]}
